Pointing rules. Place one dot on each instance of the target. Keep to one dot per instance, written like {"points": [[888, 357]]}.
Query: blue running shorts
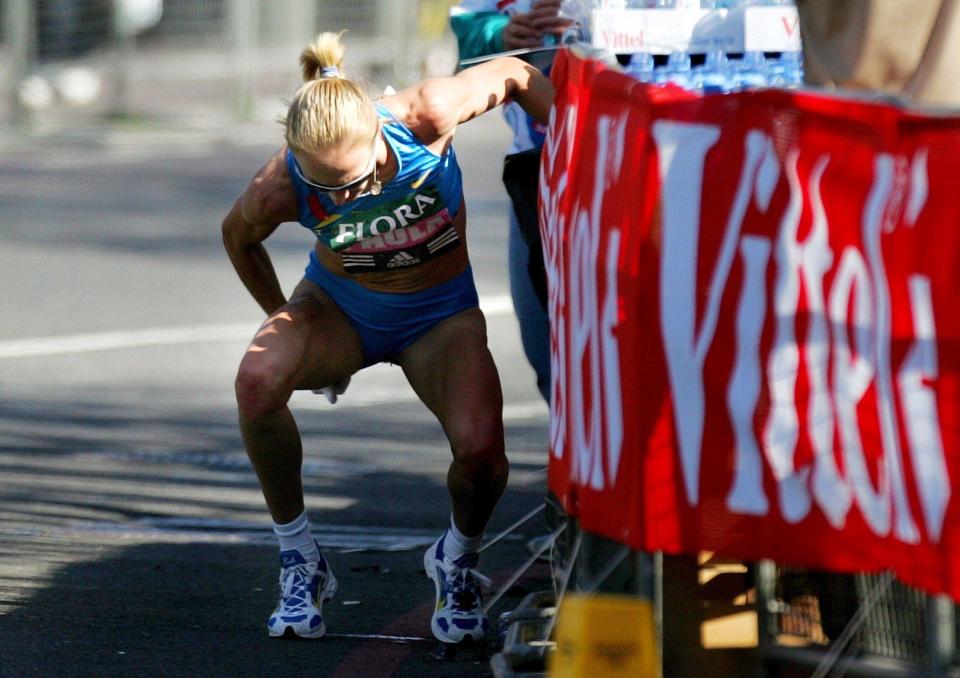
{"points": [[388, 322]]}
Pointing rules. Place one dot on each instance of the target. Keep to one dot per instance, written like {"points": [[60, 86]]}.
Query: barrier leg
{"points": [[941, 636]]}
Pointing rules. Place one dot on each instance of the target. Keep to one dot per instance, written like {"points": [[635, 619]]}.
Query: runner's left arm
{"points": [[434, 108]]}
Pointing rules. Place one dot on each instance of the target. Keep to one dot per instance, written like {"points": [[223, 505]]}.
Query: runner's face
{"points": [[344, 171]]}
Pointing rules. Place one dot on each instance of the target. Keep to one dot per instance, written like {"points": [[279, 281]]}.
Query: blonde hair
{"points": [[327, 108]]}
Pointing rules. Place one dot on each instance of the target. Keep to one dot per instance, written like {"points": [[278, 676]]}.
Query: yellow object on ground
{"points": [[605, 635]]}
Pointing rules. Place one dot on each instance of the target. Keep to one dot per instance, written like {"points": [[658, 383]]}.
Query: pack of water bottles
{"points": [[713, 46], [575, 5], [718, 72]]}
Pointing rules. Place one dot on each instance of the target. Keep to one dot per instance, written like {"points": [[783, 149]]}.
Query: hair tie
{"points": [[329, 72]]}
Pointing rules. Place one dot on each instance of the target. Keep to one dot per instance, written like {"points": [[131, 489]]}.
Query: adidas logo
{"points": [[402, 259]]}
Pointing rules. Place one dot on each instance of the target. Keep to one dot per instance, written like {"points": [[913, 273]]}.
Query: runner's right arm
{"points": [[266, 203]]}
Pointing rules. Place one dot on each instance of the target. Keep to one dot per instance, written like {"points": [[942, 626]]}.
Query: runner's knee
{"points": [[260, 392], [479, 450]]}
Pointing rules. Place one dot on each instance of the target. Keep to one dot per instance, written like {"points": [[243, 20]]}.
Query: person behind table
{"points": [[388, 280], [486, 27]]}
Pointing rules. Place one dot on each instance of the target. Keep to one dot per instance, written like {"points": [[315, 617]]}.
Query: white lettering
{"points": [[816, 260], [404, 214], [682, 149], [782, 427], [397, 237], [594, 356], [920, 409], [919, 187], [375, 225], [347, 234], [423, 202], [852, 372], [553, 228], [585, 372], [612, 394], [747, 495], [890, 472]]}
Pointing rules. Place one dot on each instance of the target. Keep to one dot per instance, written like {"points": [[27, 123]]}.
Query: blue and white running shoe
{"points": [[459, 613], [304, 587]]}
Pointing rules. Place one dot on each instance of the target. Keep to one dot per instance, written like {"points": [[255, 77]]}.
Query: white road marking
{"points": [[106, 341], [35, 347], [347, 538]]}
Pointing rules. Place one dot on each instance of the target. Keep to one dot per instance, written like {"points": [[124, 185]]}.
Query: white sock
{"points": [[457, 543], [296, 535]]}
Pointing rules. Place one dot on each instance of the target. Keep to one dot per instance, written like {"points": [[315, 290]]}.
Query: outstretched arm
{"points": [[268, 201], [434, 108], [481, 29], [488, 85]]}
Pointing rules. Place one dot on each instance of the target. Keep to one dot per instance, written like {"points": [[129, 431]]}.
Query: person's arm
{"points": [[479, 33], [434, 108], [485, 31], [477, 90], [268, 201]]}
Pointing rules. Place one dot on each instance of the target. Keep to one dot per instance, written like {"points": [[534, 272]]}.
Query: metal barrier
{"points": [[855, 625], [69, 58], [822, 624]]}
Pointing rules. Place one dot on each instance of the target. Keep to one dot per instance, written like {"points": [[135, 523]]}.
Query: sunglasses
{"points": [[370, 172]]}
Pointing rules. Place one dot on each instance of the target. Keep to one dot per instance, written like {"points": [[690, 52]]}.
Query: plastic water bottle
{"points": [[641, 66], [518, 7], [787, 71], [752, 71], [678, 69], [792, 69], [714, 76], [578, 11]]}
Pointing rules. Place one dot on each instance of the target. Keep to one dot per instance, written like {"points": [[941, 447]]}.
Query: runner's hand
{"points": [[333, 392]]}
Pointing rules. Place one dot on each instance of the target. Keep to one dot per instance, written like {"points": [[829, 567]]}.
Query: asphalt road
{"points": [[133, 537]]}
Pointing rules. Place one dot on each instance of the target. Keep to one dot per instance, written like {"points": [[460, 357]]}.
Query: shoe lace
{"points": [[465, 585], [293, 585]]}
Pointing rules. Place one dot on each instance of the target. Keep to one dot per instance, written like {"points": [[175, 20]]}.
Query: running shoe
{"points": [[459, 614], [304, 587]]}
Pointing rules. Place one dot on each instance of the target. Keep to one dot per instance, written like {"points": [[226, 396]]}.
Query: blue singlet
{"points": [[409, 223]]}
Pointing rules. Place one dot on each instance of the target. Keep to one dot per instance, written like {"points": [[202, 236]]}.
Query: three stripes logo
{"points": [[357, 261], [401, 259], [447, 237]]}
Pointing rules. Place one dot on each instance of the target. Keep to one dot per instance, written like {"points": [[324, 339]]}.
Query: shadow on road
{"points": [[134, 540]]}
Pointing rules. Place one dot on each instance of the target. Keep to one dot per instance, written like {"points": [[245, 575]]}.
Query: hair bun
{"points": [[323, 58]]}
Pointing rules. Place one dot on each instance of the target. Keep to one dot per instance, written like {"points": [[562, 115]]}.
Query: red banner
{"points": [[755, 343]]}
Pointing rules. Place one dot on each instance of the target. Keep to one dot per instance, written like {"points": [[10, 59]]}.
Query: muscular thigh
{"points": [[453, 373], [308, 343]]}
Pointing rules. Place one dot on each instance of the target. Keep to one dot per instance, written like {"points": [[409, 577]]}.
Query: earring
{"points": [[375, 185]]}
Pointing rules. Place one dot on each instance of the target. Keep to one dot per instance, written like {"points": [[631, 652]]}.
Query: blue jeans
{"points": [[533, 319]]}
